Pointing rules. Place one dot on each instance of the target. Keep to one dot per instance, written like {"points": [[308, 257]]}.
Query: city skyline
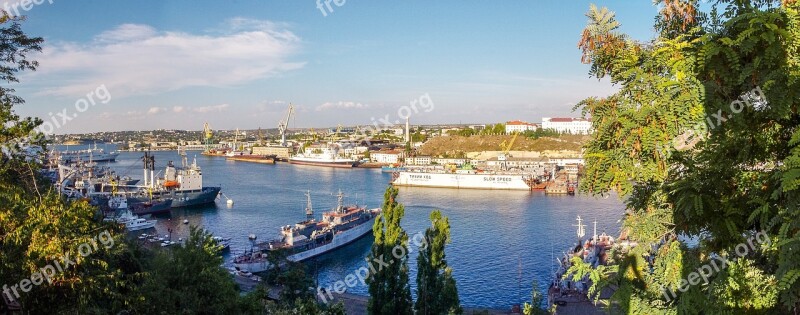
{"points": [[171, 66]]}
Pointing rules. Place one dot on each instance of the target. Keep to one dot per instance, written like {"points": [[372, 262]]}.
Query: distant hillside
{"points": [[452, 145]]}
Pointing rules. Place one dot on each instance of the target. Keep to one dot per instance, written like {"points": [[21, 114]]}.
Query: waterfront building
{"points": [[419, 160], [390, 157], [443, 161]]}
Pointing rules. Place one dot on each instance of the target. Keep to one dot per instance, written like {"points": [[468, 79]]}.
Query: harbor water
{"points": [[501, 240]]}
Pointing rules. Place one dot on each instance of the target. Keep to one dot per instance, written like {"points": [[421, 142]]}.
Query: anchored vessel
{"points": [[183, 186], [327, 156], [466, 179], [94, 154], [310, 238]]}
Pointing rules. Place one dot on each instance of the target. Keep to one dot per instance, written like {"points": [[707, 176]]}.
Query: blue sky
{"points": [[237, 64]]}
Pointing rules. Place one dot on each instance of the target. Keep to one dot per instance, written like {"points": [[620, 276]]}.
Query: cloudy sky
{"points": [[237, 64]]}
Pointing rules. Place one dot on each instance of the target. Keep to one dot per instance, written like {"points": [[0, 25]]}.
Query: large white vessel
{"points": [[312, 238], [95, 155], [466, 179], [327, 156]]}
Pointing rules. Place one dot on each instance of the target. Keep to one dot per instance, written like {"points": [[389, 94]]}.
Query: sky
{"points": [[142, 65]]}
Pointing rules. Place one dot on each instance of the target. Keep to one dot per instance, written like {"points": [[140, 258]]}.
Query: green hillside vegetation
{"points": [[456, 146]]}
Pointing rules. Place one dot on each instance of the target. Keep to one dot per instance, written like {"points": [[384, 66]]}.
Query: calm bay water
{"points": [[502, 240]]}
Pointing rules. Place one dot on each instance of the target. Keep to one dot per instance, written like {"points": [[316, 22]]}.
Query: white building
{"points": [[567, 125], [419, 160], [444, 161], [390, 157], [519, 126]]}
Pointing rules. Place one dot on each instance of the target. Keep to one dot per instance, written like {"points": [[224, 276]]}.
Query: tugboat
{"points": [[311, 238]]}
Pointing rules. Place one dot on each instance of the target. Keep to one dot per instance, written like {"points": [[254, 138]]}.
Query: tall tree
{"points": [[436, 288], [188, 279], [701, 140], [389, 289]]}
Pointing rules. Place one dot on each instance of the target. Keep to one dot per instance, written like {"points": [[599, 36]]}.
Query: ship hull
{"points": [[104, 157], [182, 198], [343, 164], [463, 181], [157, 207], [339, 240]]}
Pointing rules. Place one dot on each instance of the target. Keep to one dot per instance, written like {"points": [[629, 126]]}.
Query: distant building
{"points": [[443, 161], [477, 127], [386, 156], [519, 126], [280, 152], [576, 126], [419, 160]]}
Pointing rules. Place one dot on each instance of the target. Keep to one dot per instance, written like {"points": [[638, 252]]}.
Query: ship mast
{"points": [[309, 209], [340, 205], [581, 228]]}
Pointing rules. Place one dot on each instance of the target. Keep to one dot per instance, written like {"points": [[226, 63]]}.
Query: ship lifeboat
{"points": [[170, 184]]}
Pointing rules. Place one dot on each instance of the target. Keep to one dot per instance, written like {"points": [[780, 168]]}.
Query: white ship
{"points": [[95, 155], [139, 224], [466, 179], [311, 238], [328, 156]]}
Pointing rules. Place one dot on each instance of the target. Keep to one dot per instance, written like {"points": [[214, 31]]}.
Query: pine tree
{"points": [[436, 288], [389, 289]]}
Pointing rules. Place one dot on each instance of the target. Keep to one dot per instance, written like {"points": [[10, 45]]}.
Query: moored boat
{"points": [[310, 238]]}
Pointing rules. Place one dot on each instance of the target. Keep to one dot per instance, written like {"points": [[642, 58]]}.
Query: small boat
{"points": [[139, 224], [225, 242]]}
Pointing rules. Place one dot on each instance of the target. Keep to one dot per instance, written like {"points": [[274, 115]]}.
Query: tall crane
{"points": [[284, 124], [503, 157], [207, 134]]}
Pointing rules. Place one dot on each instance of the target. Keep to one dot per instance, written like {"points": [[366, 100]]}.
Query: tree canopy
{"points": [[701, 140]]}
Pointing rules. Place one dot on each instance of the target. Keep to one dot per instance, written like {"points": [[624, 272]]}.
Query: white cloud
{"points": [[178, 109], [341, 105], [134, 59], [156, 110], [210, 109]]}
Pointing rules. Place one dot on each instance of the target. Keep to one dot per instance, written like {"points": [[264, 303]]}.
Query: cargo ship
{"points": [[327, 157], [310, 238], [183, 186], [466, 179]]}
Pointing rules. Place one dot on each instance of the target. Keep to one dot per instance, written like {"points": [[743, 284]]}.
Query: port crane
{"points": [[284, 124], [335, 136], [503, 157], [207, 134]]}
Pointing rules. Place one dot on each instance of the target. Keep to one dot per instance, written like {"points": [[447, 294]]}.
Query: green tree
{"points": [[188, 279], [537, 299], [436, 288], [389, 288], [499, 129], [701, 140]]}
